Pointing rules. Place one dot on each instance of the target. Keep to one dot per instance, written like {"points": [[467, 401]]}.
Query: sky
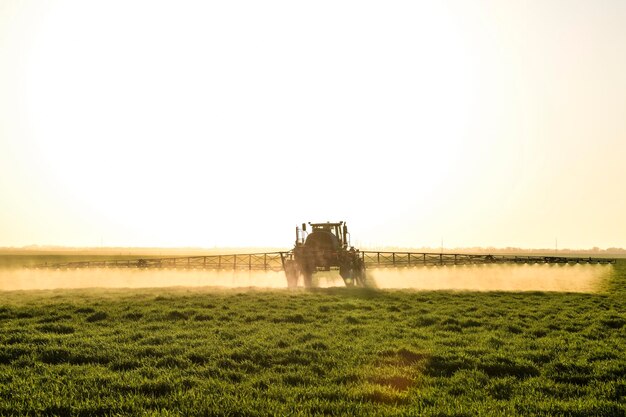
{"points": [[227, 123]]}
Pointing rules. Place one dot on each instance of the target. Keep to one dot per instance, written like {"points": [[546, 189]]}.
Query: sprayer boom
{"points": [[326, 247]]}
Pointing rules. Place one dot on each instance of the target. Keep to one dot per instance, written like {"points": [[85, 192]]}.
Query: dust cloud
{"points": [[563, 278], [44, 279], [576, 278]]}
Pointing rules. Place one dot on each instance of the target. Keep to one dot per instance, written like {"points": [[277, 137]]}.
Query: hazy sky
{"points": [[180, 123]]}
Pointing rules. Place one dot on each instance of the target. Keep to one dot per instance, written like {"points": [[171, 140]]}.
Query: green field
{"points": [[320, 352]]}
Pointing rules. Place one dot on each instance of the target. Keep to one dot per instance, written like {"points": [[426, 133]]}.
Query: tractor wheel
{"points": [[344, 271], [359, 274], [308, 279], [291, 272], [349, 274]]}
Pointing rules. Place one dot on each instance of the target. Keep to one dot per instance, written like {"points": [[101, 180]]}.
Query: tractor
{"points": [[326, 247]]}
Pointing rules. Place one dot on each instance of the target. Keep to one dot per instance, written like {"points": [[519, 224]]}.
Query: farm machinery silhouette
{"points": [[326, 247]]}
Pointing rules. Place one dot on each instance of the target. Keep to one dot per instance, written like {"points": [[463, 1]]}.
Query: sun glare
{"points": [[214, 121], [188, 116]]}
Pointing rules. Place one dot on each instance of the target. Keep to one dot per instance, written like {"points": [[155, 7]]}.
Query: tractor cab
{"points": [[324, 236]]}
